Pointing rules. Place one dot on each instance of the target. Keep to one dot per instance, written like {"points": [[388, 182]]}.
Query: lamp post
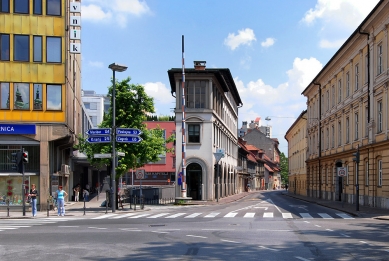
{"points": [[115, 68]]}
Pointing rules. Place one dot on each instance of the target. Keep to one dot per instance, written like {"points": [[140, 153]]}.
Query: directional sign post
{"points": [[99, 135], [128, 131], [128, 139], [106, 131], [99, 139]]}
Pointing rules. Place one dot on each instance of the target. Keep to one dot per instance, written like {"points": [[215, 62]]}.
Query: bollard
{"points": [[130, 202], [106, 201], [7, 207], [135, 203], [48, 206], [84, 206]]}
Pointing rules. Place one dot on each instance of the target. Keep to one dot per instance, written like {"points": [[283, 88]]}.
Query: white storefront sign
{"points": [[75, 34]]}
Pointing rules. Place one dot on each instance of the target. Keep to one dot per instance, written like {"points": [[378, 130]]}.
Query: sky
{"points": [[273, 49]]}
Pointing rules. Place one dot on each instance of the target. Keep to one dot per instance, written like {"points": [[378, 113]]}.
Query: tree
{"points": [[284, 168], [132, 105]]}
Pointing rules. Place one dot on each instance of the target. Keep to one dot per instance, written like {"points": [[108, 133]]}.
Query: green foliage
{"points": [[284, 168], [132, 105]]}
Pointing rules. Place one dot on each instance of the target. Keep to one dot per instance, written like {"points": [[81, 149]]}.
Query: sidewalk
{"points": [[364, 211]]}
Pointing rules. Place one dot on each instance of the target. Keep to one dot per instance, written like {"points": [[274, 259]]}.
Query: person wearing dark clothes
{"points": [[33, 194], [286, 187]]}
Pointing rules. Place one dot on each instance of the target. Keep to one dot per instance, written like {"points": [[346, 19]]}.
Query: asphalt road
{"points": [[263, 226]]}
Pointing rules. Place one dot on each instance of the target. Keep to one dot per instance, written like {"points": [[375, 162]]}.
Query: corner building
{"points": [[347, 112], [40, 98]]}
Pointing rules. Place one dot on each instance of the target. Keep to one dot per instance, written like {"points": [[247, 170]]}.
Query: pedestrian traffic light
{"points": [[356, 157], [25, 156]]}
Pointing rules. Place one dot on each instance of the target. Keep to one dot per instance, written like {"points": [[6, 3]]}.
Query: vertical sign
{"points": [[75, 21]]}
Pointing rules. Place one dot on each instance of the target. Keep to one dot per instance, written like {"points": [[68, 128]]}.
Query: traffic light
{"points": [[17, 159], [356, 157], [25, 156]]}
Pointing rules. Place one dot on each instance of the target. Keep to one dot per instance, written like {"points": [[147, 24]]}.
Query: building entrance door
{"points": [[194, 181]]}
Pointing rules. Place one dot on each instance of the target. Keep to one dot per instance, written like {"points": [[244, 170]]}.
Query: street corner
{"points": [[382, 217]]}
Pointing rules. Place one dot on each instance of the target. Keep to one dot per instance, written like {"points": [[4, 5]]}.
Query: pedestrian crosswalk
{"points": [[12, 224], [237, 214]]}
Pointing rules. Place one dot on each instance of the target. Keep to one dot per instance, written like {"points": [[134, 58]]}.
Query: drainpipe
{"points": [[319, 136]]}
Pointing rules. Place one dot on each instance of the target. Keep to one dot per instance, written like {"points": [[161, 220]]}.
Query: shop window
{"points": [[53, 48], [4, 95], [53, 7], [37, 48], [21, 96], [37, 93], [21, 6], [193, 133], [21, 48], [4, 47], [37, 9], [54, 97], [4, 6]]}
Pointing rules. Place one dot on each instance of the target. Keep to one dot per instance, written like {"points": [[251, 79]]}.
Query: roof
{"points": [[268, 168], [295, 122], [223, 75], [251, 147]]}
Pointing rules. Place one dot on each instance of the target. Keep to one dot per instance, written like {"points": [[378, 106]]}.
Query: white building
{"points": [[96, 105], [211, 123]]}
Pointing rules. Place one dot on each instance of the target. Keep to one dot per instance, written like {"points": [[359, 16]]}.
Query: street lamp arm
{"points": [[269, 119]]}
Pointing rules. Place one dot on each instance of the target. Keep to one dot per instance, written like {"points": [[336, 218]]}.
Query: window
{"points": [[366, 68], [4, 95], [379, 116], [356, 126], [21, 6], [87, 105], [328, 100], [379, 59], [195, 94], [339, 91], [356, 77], [333, 174], [347, 130], [347, 84], [21, 48], [367, 173], [37, 48], [93, 120], [54, 97], [194, 133], [326, 175], [333, 96], [93, 106], [37, 9], [339, 133], [328, 138], [21, 96], [347, 177], [4, 6], [37, 93], [333, 136], [4, 47], [53, 46], [379, 172], [53, 7]]}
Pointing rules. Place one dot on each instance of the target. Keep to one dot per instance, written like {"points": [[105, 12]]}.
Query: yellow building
{"points": [[347, 114], [297, 151], [40, 94]]}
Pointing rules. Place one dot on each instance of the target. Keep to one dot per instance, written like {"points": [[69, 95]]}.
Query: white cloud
{"points": [[102, 11], [96, 64], [244, 37], [337, 18], [268, 42], [163, 100]]}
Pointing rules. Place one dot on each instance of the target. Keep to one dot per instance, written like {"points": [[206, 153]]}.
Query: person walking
{"points": [[86, 195], [77, 194], [61, 194], [33, 194], [286, 187]]}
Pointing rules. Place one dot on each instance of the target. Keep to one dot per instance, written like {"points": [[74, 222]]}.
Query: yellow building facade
{"points": [[297, 151], [40, 94], [348, 114]]}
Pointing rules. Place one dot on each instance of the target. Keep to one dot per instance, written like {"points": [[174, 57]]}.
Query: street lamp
{"points": [[115, 68]]}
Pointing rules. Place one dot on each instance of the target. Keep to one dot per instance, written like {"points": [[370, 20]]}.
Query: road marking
{"points": [[305, 215], [130, 229], [212, 215], [249, 215], [176, 215], [343, 215], [195, 236], [345, 235], [272, 249], [363, 242], [105, 216], [159, 215], [287, 215], [1, 227], [329, 229], [160, 232], [193, 215], [9, 227], [68, 226], [317, 226], [231, 214], [307, 222], [325, 216], [216, 229], [275, 230], [229, 241], [97, 227], [303, 259], [125, 215], [268, 214], [265, 208], [142, 215]]}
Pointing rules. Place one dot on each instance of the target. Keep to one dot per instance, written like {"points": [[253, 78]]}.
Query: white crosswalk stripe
{"points": [[212, 215], [139, 216], [105, 216], [158, 215], [124, 215], [231, 214], [343, 215], [268, 214], [249, 215], [305, 215], [325, 216], [193, 215], [176, 215], [287, 215]]}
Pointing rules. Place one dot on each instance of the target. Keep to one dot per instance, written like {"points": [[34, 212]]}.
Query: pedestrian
{"points": [[61, 194], [87, 187], [33, 194], [77, 194], [286, 187], [86, 195]]}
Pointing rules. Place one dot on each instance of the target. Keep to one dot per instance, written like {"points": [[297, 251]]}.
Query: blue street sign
{"points": [[128, 131], [99, 139], [105, 131], [129, 139]]}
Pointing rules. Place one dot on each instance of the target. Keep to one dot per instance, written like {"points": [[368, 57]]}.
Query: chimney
{"points": [[199, 65]]}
